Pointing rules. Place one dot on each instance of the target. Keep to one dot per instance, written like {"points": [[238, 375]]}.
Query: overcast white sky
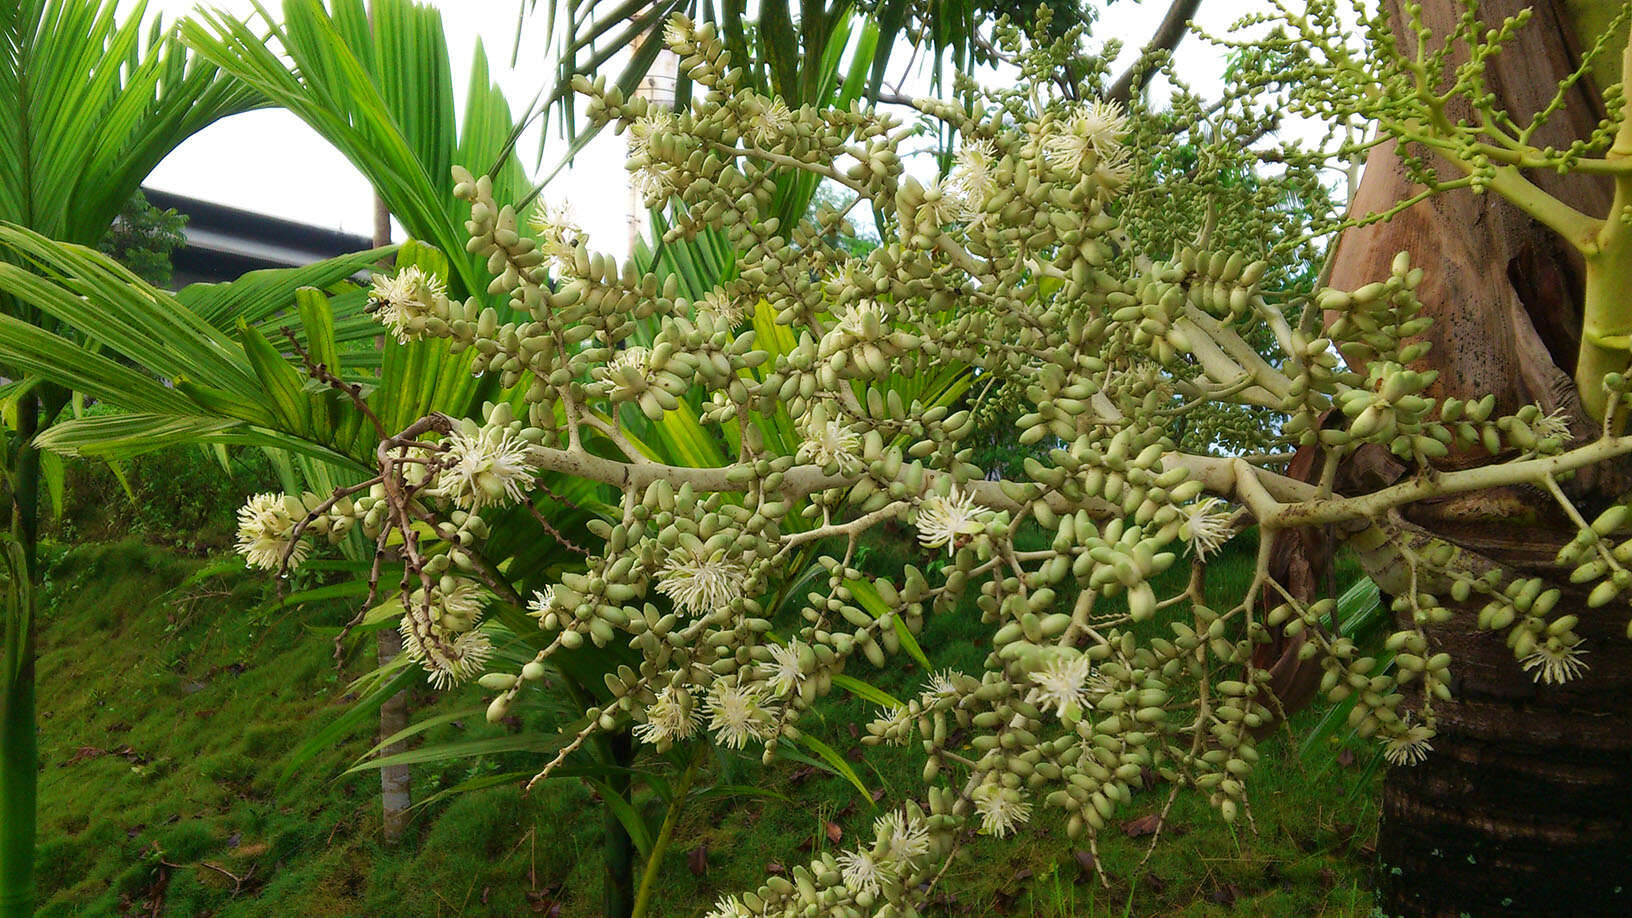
{"points": [[270, 162]]}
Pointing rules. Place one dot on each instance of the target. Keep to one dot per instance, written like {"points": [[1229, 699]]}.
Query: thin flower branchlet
{"points": [[837, 395]]}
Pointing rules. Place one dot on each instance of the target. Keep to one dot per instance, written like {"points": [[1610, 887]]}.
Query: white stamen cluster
{"points": [[404, 301], [487, 467], [949, 520], [1002, 809], [700, 583], [739, 713], [265, 526]]}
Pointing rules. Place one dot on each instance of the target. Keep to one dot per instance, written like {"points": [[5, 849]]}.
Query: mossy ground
{"points": [[167, 716]]}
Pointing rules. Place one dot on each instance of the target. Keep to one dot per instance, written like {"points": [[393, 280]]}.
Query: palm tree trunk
{"points": [[1524, 806], [396, 781], [19, 759]]}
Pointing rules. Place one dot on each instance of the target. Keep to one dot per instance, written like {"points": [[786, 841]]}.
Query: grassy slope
{"points": [[163, 744]]}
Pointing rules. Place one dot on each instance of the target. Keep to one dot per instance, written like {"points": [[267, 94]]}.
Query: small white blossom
{"points": [[1096, 128], [448, 659], [893, 724], [949, 520], [542, 602], [1206, 526], [655, 123], [651, 181], [739, 714], [786, 671], [941, 685], [1555, 663], [1555, 424], [677, 33], [1410, 747], [698, 584], [772, 122], [628, 373], [971, 177], [403, 303], [862, 872], [945, 203], [559, 235], [673, 716], [486, 469], [726, 311], [1062, 683], [264, 528], [829, 443], [1002, 809], [905, 838], [1116, 169], [458, 609], [730, 907]]}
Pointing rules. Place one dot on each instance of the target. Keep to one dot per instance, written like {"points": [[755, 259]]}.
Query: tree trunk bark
{"points": [[396, 781], [1524, 806]]}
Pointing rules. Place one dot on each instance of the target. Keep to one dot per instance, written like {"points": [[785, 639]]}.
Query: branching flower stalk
{"points": [[1016, 266]]}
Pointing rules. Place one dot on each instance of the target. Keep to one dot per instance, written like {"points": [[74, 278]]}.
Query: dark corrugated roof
{"points": [[225, 242]]}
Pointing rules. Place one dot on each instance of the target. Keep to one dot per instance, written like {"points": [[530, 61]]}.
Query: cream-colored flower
{"points": [[627, 374], [1410, 746], [726, 311], [903, 837], [489, 468], [1062, 683], [971, 177], [1555, 662], [864, 873], [945, 203], [894, 724], [829, 443], [447, 659], [1002, 809], [559, 235], [787, 673], [402, 303], [677, 33], [1096, 128], [1206, 526], [265, 526], [673, 716], [458, 609], [941, 685], [771, 124], [949, 520], [730, 907], [699, 584], [543, 602], [648, 127], [740, 714], [1554, 424]]}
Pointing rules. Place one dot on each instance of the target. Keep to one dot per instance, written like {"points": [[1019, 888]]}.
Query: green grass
{"points": [[167, 715]]}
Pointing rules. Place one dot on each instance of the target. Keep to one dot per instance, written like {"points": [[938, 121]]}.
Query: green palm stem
{"points": [[654, 860]]}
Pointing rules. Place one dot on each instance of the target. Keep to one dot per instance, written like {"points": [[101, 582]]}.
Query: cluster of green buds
{"points": [[828, 407]]}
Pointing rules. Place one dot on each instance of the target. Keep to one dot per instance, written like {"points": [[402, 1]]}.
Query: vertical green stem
{"points": [[1606, 316], [654, 860], [18, 737]]}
